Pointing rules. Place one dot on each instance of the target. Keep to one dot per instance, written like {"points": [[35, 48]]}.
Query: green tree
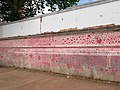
{"points": [[12, 10]]}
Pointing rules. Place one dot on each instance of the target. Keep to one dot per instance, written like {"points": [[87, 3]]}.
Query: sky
{"points": [[85, 1]]}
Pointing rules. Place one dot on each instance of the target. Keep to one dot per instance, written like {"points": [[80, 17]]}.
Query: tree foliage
{"points": [[11, 10]]}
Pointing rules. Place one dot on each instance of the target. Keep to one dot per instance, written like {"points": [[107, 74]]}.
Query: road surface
{"points": [[21, 79]]}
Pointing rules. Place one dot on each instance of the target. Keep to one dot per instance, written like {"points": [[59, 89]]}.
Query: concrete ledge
{"points": [[95, 29]]}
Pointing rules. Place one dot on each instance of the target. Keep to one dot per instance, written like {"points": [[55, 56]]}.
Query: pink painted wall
{"points": [[90, 54]]}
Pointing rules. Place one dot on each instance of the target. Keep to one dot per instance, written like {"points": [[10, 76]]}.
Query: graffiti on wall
{"points": [[93, 54]]}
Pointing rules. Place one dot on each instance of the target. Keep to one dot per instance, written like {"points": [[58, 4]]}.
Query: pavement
{"points": [[22, 79]]}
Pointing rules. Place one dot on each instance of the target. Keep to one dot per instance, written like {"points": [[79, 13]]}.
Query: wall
{"points": [[90, 53], [93, 14], [22, 28]]}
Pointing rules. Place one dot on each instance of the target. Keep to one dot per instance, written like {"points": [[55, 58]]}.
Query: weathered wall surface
{"points": [[93, 14], [90, 53]]}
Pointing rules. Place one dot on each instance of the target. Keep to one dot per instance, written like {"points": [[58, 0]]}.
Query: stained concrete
{"points": [[19, 79]]}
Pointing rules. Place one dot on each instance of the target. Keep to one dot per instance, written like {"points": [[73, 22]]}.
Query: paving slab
{"points": [[19, 79]]}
